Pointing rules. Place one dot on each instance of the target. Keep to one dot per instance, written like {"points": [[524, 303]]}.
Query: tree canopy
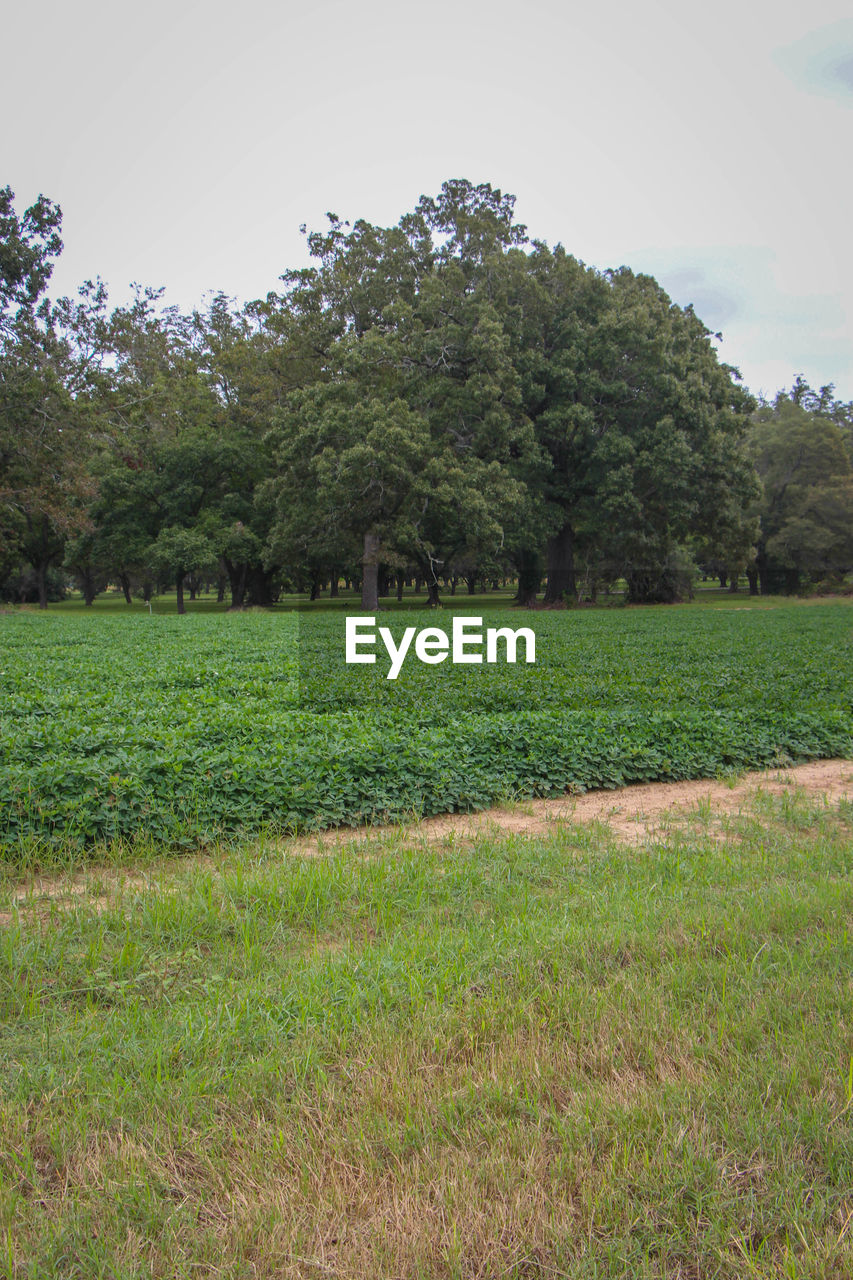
{"points": [[439, 398]]}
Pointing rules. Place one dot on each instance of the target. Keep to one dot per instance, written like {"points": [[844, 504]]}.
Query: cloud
{"points": [[772, 327], [821, 62], [716, 306]]}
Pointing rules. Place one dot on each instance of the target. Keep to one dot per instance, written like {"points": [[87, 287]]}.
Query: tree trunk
{"points": [[432, 593], [370, 580], [561, 566], [733, 583], [237, 582], [221, 583], [124, 583], [87, 582], [472, 584], [333, 585], [400, 581], [752, 578], [529, 577], [773, 578], [258, 586], [180, 589]]}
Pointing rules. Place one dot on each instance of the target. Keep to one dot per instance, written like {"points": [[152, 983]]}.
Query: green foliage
{"points": [[222, 723], [28, 243], [432, 397], [45, 449], [178, 551], [806, 508], [405, 443]]}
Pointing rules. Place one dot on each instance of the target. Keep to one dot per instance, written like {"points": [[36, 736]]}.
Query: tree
{"points": [[168, 462], [244, 356], [806, 509], [46, 366], [28, 246], [82, 559], [639, 428], [178, 552], [403, 443], [551, 304], [668, 461]]}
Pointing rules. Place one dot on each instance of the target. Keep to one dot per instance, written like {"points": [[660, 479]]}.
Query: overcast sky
{"points": [[709, 144]]}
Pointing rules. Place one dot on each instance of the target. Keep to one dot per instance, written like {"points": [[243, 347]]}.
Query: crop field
{"points": [[180, 731]]}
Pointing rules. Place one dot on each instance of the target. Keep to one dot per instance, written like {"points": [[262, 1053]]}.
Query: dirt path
{"points": [[634, 814]]}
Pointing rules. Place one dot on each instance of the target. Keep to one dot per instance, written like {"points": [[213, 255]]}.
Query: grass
{"points": [[516, 1058], [112, 601]]}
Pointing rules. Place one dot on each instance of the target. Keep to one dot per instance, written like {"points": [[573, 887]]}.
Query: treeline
{"points": [[439, 400]]}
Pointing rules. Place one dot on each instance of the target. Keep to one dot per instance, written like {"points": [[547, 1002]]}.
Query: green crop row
{"points": [[182, 730]]}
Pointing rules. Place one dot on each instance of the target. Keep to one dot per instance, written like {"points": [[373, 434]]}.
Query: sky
{"points": [[709, 145]]}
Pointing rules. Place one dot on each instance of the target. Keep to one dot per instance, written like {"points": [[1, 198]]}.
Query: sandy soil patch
{"points": [[634, 814]]}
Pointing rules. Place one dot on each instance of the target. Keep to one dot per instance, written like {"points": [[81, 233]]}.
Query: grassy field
{"points": [[174, 731], [113, 602], [521, 1058]]}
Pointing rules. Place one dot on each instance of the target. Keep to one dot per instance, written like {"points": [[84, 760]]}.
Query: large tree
{"points": [[668, 423], [169, 463], [806, 507], [405, 442], [639, 428], [48, 357]]}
